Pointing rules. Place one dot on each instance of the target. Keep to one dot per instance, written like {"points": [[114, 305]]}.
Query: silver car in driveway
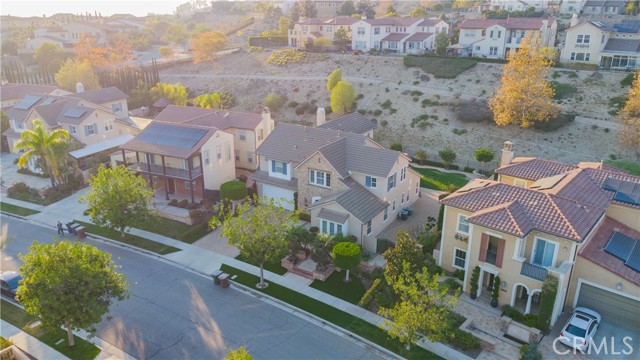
{"points": [[579, 331]]}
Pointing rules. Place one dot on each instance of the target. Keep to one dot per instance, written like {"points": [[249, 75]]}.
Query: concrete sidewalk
{"points": [[28, 343]]}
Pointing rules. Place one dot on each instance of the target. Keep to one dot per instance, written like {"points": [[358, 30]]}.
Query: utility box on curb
{"points": [[81, 232], [224, 280], [216, 276]]}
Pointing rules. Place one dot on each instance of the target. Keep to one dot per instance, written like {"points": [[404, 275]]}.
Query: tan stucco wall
{"points": [[510, 180], [220, 170], [100, 118], [626, 215]]}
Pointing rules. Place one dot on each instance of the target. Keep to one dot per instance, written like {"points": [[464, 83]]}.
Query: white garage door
{"points": [[613, 307], [277, 193]]}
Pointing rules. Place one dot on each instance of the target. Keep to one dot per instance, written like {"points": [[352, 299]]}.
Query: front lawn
{"points": [[175, 229], [335, 285], [440, 67], [331, 314], [130, 239], [17, 210], [274, 267], [83, 350], [438, 180]]}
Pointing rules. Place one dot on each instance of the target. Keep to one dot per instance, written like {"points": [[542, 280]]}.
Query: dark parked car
{"points": [[10, 282]]}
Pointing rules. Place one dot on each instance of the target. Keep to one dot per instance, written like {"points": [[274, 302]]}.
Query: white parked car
{"points": [[580, 329]]}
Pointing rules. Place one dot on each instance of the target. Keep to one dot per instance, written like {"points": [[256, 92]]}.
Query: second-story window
{"points": [[218, 152], [278, 167], [371, 182], [242, 134], [391, 182], [116, 107], [206, 159], [108, 125], [463, 225], [319, 178], [360, 30], [403, 173], [376, 31], [583, 39]]}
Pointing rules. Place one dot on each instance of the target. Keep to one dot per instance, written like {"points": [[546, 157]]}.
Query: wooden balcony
{"points": [[170, 171]]}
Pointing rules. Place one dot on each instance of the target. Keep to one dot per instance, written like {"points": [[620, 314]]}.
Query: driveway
{"points": [[427, 205]]}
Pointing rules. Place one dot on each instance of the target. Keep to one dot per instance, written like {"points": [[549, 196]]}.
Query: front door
{"points": [[487, 281], [171, 185]]}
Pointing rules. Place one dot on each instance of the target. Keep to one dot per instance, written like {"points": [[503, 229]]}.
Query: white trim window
{"points": [[89, 130], [583, 39], [237, 154], [360, 30], [463, 225], [391, 182], [108, 125], [218, 152], [403, 174], [402, 199], [205, 156], [459, 258], [393, 209], [544, 252], [385, 215], [371, 182], [319, 178], [493, 50], [242, 134], [72, 129], [330, 227], [187, 185], [279, 167], [250, 157], [369, 227]]}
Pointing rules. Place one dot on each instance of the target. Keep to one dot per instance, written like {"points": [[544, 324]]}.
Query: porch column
{"points": [[190, 182], [202, 175], [137, 156], [124, 158], [166, 181], [149, 169], [527, 309]]}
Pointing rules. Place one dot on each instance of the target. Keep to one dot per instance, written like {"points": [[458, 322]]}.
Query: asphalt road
{"points": [[176, 314]]}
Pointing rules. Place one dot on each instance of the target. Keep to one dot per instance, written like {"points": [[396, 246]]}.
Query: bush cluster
{"points": [[286, 56]]}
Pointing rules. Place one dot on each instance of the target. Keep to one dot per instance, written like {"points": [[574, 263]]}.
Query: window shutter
{"points": [[368, 181], [484, 243], [86, 130], [312, 178], [500, 254], [328, 182], [95, 128], [273, 166], [284, 168]]}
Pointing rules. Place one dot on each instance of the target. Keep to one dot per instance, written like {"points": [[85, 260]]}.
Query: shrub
{"points": [[304, 216], [473, 111], [463, 340], [562, 90], [183, 203], [243, 178], [346, 255], [233, 190], [496, 288], [530, 320], [384, 123], [530, 352], [396, 146], [368, 296], [452, 284], [448, 156], [22, 191], [547, 299], [386, 104], [554, 124], [314, 229], [459, 274], [293, 104], [285, 56], [377, 112], [475, 278], [468, 169], [416, 93], [274, 101], [627, 81], [512, 312]]}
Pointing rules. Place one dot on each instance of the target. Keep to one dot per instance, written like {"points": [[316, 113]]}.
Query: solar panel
{"points": [[27, 102], [633, 199], [611, 184], [172, 135], [48, 101], [620, 246], [75, 112], [548, 183], [634, 258]]}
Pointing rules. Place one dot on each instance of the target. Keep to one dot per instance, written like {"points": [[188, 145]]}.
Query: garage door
{"points": [[613, 307], [277, 193]]}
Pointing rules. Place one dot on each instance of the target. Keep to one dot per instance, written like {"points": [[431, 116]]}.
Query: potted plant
{"points": [[475, 277], [495, 292]]}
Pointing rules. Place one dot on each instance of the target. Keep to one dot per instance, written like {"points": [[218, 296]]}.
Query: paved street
{"points": [[177, 314]]}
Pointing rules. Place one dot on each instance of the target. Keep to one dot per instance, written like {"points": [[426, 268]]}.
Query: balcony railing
{"points": [[171, 171], [533, 271]]}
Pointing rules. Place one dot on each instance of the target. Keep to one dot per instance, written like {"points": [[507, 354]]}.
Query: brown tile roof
{"points": [[221, 119], [13, 91], [510, 218], [101, 96], [594, 250], [429, 22], [174, 140], [394, 21], [419, 36], [533, 168], [600, 166]]}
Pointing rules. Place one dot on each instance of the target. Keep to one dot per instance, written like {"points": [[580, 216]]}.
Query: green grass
{"points": [[438, 180], [175, 229], [133, 240], [445, 68], [562, 90], [274, 267], [83, 350], [335, 285], [333, 315], [17, 210], [632, 167]]}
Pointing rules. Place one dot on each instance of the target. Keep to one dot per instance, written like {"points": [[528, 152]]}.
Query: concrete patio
{"points": [[427, 205]]}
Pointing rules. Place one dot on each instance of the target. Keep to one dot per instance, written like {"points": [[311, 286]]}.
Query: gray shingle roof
{"points": [[101, 96], [221, 119], [288, 142], [357, 200], [623, 45], [13, 91], [354, 123], [160, 138], [419, 36], [263, 176], [395, 36], [334, 216]]}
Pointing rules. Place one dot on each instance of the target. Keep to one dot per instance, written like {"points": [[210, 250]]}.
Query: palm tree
{"points": [[49, 146]]}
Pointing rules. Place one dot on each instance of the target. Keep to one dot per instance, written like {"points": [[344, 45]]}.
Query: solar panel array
{"points": [[626, 191], [28, 102], [625, 248], [75, 112], [171, 135]]}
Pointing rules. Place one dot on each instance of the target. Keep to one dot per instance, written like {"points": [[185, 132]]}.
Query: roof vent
{"points": [[226, 114]]}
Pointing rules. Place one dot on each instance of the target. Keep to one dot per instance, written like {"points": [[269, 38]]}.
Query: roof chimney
{"points": [[320, 117], [574, 20], [266, 121], [507, 154], [79, 88]]}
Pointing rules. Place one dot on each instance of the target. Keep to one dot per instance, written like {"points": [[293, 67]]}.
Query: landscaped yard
{"points": [[274, 267], [335, 285], [175, 229], [440, 67], [83, 350], [439, 180], [133, 240], [333, 315], [17, 210]]}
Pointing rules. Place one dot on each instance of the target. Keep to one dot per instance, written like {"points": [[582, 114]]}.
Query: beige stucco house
{"points": [[543, 217], [307, 30], [335, 172]]}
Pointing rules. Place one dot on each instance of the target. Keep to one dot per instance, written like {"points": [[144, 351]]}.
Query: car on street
{"points": [[579, 331], [10, 280]]}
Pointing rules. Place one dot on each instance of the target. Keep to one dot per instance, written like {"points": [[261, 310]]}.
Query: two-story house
{"points": [[604, 7], [305, 31], [397, 34], [572, 6], [543, 217], [494, 38], [12, 93], [110, 97], [344, 180], [606, 44]]}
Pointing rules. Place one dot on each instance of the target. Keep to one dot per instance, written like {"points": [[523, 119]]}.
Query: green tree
{"points": [[140, 96], [176, 93], [547, 301], [348, 8], [274, 101], [448, 156], [176, 33], [525, 96], [366, 8], [390, 12], [407, 251], [118, 198], [334, 78], [342, 97], [50, 146], [233, 191], [421, 156], [259, 232], [443, 17], [238, 354], [346, 256], [283, 25], [207, 44], [209, 101], [295, 12], [322, 42], [341, 36], [629, 117], [309, 9], [442, 41], [484, 156], [49, 57], [69, 284], [418, 12], [9, 47], [166, 52], [4, 125], [463, 4], [74, 71], [422, 309], [156, 27]]}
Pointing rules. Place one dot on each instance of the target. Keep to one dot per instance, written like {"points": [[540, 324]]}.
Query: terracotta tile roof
{"points": [[533, 168], [600, 166], [594, 250], [419, 36], [599, 177], [221, 119], [510, 218]]}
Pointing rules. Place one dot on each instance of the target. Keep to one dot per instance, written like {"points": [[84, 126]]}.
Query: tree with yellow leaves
{"points": [[630, 118], [525, 96], [176, 93], [87, 48], [207, 44]]}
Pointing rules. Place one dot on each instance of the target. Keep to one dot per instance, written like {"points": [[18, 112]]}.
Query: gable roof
{"points": [[510, 23], [174, 140], [533, 168], [430, 22], [355, 123], [623, 45], [103, 95], [220, 119], [357, 200], [419, 36], [12, 91], [395, 37], [394, 21]]}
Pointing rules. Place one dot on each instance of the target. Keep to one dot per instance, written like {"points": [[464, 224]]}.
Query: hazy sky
{"points": [[49, 7]]}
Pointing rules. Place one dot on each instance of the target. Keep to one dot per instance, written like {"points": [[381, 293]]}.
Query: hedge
{"points": [[368, 296], [304, 217], [547, 300], [233, 190], [268, 40]]}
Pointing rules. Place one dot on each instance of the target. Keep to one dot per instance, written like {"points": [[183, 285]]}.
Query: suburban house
{"points": [[189, 151], [307, 30], [515, 5], [494, 38], [336, 173], [608, 45], [324, 7], [111, 97], [407, 35], [572, 6], [12, 93], [604, 7], [577, 222]]}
